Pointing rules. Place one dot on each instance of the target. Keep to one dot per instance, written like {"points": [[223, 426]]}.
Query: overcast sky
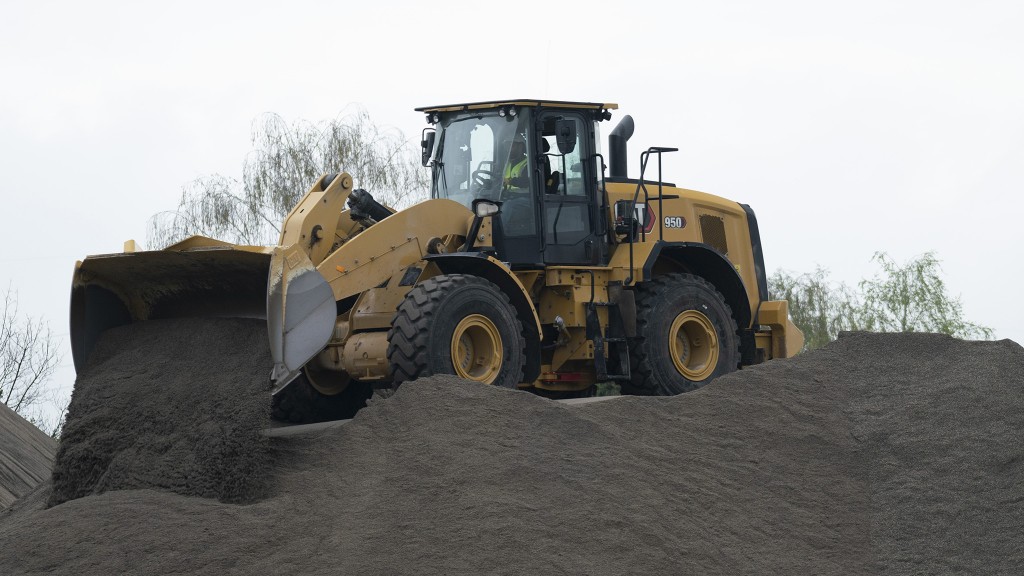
{"points": [[849, 127]]}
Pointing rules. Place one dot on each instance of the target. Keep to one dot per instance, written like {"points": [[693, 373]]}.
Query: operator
{"points": [[516, 174], [517, 214]]}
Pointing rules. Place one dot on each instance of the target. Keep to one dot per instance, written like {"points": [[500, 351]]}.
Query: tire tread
{"points": [[645, 381]]}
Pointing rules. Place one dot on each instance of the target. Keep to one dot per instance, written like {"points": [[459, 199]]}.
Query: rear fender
{"points": [[699, 259]]}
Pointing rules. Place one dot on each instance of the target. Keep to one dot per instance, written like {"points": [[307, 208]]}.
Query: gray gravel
{"points": [[877, 454], [172, 404], [26, 455]]}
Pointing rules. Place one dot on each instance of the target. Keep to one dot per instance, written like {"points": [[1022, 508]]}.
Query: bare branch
{"points": [[29, 355], [285, 161]]}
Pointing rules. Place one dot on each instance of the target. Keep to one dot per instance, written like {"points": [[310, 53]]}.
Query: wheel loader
{"points": [[537, 263]]}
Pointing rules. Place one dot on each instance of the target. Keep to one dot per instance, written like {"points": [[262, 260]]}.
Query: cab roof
{"points": [[518, 102]]}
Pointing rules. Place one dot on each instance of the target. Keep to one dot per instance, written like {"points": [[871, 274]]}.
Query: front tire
{"points": [[686, 336], [457, 324], [301, 403]]}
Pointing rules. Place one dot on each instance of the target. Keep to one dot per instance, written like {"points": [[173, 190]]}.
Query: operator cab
{"points": [[539, 161]]}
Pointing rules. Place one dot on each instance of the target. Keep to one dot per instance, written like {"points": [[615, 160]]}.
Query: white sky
{"points": [[849, 127]]}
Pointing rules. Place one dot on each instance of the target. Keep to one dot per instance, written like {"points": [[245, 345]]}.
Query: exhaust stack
{"points": [[617, 152]]}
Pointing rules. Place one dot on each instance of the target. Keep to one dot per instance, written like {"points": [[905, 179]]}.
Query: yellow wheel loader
{"points": [[537, 264]]}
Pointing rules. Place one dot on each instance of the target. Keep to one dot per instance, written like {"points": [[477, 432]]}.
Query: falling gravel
{"points": [[878, 454], [170, 404]]}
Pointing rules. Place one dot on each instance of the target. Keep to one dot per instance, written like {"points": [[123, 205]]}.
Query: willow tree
{"points": [[912, 297], [819, 307], [908, 297], [285, 161]]}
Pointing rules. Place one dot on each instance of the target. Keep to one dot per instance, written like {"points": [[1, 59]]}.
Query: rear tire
{"points": [[686, 336], [457, 324]]}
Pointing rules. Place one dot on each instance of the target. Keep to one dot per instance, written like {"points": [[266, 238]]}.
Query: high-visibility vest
{"points": [[514, 171]]}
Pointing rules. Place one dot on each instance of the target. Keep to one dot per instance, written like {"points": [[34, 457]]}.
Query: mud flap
{"points": [[301, 313]]}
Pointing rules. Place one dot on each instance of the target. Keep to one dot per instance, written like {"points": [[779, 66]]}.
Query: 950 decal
{"points": [[675, 222]]}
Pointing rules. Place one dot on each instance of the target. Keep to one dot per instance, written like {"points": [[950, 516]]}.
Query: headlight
{"points": [[484, 208]]}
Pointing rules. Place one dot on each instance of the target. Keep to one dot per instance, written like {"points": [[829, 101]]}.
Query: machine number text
{"points": [[675, 222]]}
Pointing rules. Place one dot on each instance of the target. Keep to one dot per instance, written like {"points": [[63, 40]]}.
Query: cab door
{"points": [[569, 191]]}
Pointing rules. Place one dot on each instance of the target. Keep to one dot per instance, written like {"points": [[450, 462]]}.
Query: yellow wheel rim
{"points": [[476, 349], [693, 345]]}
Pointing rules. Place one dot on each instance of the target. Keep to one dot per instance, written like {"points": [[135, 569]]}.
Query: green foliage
{"points": [[901, 298], [285, 161], [819, 307], [912, 298]]}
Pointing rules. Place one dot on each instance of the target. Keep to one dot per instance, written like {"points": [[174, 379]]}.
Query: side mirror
{"points": [[565, 136], [427, 144]]}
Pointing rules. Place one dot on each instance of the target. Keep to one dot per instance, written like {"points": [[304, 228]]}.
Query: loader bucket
{"points": [[116, 289], [301, 313]]}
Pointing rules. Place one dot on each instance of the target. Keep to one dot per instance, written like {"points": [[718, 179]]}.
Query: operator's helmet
{"points": [[517, 146]]}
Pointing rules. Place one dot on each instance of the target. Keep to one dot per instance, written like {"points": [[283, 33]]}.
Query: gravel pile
{"points": [[26, 456], [877, 454]]}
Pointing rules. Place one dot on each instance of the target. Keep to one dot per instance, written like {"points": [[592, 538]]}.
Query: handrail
{"points": [[645, 156]]}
